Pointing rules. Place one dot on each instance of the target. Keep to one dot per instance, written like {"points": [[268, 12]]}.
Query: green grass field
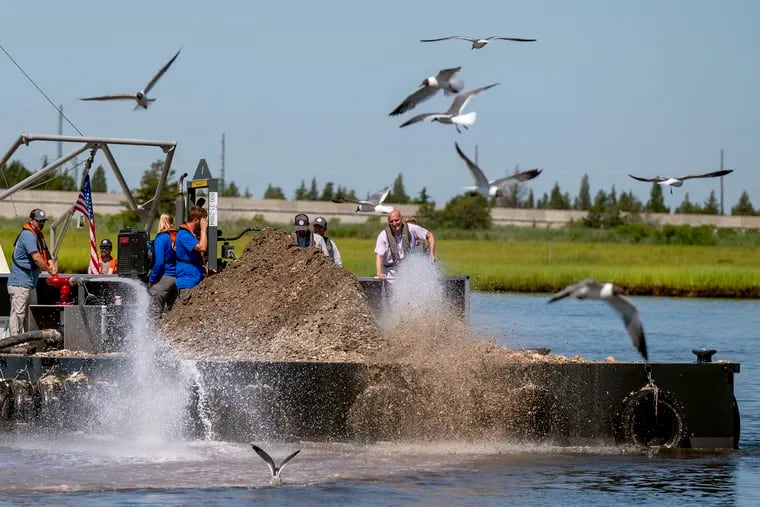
{"points": [[522, 266]]}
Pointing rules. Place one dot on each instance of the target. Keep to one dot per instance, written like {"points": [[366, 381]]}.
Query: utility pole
{"points": [[222, 156], [721, 183], [60, 130]]}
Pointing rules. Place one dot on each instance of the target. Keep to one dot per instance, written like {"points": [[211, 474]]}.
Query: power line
{"points": [[60, 111]]}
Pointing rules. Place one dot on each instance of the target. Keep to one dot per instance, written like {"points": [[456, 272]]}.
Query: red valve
{"points": [[62, 284]]}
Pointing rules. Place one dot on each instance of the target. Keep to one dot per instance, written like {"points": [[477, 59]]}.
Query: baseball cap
{"points": [[301, 222], [38, 214], [321, 222]]}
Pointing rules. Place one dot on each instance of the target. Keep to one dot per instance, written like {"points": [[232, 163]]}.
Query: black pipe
{"points": [[44, 334]]}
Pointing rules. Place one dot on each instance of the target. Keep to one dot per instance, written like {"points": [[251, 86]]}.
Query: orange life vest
{"points": [[41, 244]]}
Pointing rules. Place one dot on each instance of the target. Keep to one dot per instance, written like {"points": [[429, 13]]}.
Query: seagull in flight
{"points": [[374, 204], [429, 87], [678, 182], [479, 43], [612, 295], [141, 97], [493, 188], [453, 116], [276, 481]]}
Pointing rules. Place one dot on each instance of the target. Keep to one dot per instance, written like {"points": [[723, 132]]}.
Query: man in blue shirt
{"points": [[162, 281], [30, 256], [190, 245]]}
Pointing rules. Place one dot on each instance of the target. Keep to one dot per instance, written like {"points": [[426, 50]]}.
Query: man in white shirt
{"points": [[398, 240]]}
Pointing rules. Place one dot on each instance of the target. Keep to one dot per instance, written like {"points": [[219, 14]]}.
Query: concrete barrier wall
{"points": [[278, 211]]}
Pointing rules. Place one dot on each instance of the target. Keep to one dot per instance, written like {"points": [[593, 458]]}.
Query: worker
{"points": [[106, 261], [30, 257], [301, 231], [190, 245], [162, 281], [328, 246], [398, 240]]}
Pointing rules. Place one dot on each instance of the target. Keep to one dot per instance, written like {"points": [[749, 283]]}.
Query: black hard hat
{"points": [[320, 221], [106, 243], [301, 222]]}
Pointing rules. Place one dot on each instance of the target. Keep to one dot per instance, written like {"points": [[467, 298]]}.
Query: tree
{"points": [[397, 194], [656, 202], [531, 201], [583, 201], [711, 205], [149, 184], [328, 193], [98, 180], [247, 193], [301, 192], [313, 193], [231, 190], [687, 207], [557, 200], [543, 202], [274, 193], [605, 212], [744, 206], [629, 203], [423, 197], [14, 173]]}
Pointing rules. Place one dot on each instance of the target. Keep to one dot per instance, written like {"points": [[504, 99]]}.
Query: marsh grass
{"points": [[544, 263]]}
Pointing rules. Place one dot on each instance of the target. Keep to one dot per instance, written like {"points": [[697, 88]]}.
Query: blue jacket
{"points": [[189, 262], [164, 258]]}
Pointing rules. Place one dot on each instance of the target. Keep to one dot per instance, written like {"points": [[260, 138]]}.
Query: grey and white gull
{"points": [[678, 182], [454, 114], [141, 97], [612, 295], [492, 188], [373, 204], [479, 43], [429, 87], [276, 480]]}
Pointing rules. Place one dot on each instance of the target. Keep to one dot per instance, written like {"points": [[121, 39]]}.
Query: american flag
{"points": [[84, 206]]}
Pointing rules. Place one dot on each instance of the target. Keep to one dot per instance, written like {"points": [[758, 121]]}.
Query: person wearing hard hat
{"points": [[301, 231], [30, 257], [106, 261], [328, 246]]}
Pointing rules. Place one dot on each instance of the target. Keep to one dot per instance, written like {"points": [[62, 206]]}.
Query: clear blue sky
{"points": [[303, 89]]}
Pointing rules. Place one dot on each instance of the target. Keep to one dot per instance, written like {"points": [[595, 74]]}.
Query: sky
{"points": [[302, 90]]}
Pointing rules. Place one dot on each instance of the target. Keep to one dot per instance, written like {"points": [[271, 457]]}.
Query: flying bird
{"points": [[612, 295], [493, 188], [479, 43], [429, 87], [373, 204], [275, 481], [141, 97], [678, 182], [453, 116]]}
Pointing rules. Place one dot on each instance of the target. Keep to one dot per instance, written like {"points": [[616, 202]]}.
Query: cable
{"points": [[40, 90]]}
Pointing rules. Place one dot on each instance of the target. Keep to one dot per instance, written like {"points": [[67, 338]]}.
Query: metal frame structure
{"points": [[148, 210]]}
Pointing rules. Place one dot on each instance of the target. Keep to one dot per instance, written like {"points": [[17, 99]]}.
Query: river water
{"points": [[141, 469]]}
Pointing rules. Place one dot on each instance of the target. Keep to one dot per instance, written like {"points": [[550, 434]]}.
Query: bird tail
{"points": [[454, 87], [465, 119]]}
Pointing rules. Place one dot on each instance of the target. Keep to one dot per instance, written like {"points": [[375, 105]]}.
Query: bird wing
{"points": [[160, 73], [447, 74], [120, 96], [655, 179], [516, 178], [461, 100], [708, 175], [355, 201], [494, 37], [477, 173], [573, 289], [293, 455], [421, 117], [451, 37], [379, 196], [632, 321], [266, 457], [422, 93]]}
